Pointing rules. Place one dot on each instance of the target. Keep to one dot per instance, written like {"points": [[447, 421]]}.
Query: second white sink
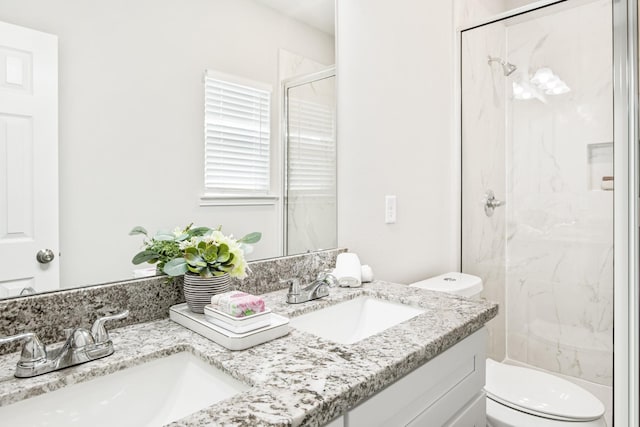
{"points": [[152, 394], [354, 320]]}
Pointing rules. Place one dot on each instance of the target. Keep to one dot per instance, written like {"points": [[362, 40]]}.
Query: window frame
{"points": [[212, 196]]}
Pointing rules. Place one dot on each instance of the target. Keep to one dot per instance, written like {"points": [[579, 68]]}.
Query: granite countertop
{"points": [[297, 380]]}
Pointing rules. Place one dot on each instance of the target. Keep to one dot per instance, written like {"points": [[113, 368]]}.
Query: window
{"points": [[312, 148], [237, 135]]}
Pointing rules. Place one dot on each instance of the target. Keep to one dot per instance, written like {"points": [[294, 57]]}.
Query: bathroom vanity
{"points": [[428, 370]]}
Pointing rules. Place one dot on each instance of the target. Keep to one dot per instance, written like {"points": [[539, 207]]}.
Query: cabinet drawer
{"points": [[430, 395]]}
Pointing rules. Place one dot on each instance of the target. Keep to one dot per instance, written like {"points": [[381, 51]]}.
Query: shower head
{"points": [[507, 68]]}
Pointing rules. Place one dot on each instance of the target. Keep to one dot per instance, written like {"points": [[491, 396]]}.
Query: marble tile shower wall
{"points": [[559, 275], [48, 314]]}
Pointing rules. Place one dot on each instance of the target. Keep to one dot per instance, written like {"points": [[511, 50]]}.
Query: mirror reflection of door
{"points": [[28, 161], [310, 209]]}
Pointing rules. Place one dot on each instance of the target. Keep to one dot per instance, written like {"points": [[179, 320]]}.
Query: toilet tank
{"points": [[462, 284]]}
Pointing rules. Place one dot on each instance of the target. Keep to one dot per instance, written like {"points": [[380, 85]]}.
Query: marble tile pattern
{"points": [[483, 159], [559, 296], [48, 314], [297, 380], [547, 255]]}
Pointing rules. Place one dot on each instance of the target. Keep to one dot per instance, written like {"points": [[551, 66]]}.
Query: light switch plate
{"points": [[390, 209]]}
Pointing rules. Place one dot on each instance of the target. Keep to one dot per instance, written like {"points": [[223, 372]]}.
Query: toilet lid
{"points": [[462, 284], [541, 394]]}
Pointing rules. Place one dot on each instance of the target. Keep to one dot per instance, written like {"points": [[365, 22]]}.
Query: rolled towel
{"points": [[367, 274], [238, 304], [348, 270]]}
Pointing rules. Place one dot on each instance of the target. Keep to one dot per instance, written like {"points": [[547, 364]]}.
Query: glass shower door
{"points": [[310, 208], [537, 135]]}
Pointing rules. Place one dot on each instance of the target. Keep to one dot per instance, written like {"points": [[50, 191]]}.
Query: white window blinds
{"points": [[237, 135], [312, 148]]}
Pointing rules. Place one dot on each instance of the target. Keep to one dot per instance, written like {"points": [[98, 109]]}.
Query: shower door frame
{"points": [[285, 86], [626, 368]]}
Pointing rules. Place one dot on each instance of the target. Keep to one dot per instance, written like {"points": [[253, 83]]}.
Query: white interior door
{"points": [[28, 159]]}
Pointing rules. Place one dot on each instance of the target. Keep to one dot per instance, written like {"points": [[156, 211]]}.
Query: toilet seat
{"points": [[540, 394]]}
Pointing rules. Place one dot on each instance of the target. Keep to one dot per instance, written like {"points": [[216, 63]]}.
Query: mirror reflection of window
{"points": [[237, 134], [311, 164]]}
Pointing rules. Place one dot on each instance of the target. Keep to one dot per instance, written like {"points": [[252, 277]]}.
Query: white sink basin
{"points": [[152, 394], [354, 320]]}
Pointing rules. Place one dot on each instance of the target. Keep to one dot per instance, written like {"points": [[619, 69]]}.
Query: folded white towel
{"points": [[367, 274], [348, 270]]}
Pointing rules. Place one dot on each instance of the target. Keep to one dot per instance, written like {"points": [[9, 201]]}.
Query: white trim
{"points": [[238, 200], [310, 78], [510, 13], [218, 75], [625, 344]]}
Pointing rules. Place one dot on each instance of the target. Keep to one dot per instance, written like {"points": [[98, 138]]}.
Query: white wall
{"points": [[131, 116], [395, 136]]}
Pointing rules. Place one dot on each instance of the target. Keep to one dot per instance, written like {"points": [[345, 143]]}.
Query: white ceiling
{"points": [[316, 13]]}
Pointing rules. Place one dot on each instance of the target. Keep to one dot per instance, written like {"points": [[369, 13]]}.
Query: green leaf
{"points": [[251, 238], [138, 230], [194, 260], [199, 231], [175, 267], [228, 262], [223, 253], [164, 237], [191, 250], [194, 269], [202, 246], [183, 236], [144, 256], [211, 253]]}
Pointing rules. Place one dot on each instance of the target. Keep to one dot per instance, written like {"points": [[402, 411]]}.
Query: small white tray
{"points": [[238, 327], [181, 314], [227, 318]]}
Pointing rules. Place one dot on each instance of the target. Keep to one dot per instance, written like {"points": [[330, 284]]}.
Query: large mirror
{"points": [[129, 108]]}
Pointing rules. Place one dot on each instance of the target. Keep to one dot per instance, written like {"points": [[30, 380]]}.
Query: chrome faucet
{"points": [[80, 346], [317, 289]]}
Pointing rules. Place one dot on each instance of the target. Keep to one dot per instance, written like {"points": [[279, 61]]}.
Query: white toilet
{"points": [[523, 397]]}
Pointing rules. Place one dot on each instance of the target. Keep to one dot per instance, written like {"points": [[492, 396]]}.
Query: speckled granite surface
{"points": [[298, 380], [48, 314]]}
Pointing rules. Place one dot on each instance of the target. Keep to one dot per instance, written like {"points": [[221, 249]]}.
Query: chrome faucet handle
{"points": [[328, 277], [33, 351], [99, 332], [294, 285]]}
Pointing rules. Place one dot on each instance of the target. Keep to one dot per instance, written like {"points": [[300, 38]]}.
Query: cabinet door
{"points": [[433, 393], [474, 414]]}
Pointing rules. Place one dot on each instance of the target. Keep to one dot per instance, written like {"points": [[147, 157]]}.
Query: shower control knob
{"points": [[45, 256], [491, 203]]}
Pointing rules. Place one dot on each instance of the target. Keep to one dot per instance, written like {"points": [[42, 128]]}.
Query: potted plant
{"points": [[206, 257], [164, 245]]}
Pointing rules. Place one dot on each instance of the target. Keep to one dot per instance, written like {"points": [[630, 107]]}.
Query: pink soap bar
{"points": [[238, 304]]}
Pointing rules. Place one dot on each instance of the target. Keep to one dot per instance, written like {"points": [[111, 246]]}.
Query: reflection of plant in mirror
{"points": [[164, 245], [212, 254]]}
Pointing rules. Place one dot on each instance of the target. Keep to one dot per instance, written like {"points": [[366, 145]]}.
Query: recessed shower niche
{"points": [[600, 166]]}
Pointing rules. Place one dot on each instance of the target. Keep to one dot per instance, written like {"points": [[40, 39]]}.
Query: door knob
{"points": [[490, 202], [45, 256]]}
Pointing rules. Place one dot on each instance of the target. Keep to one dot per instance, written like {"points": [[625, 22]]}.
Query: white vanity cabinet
{"points": [[446, 391]]}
